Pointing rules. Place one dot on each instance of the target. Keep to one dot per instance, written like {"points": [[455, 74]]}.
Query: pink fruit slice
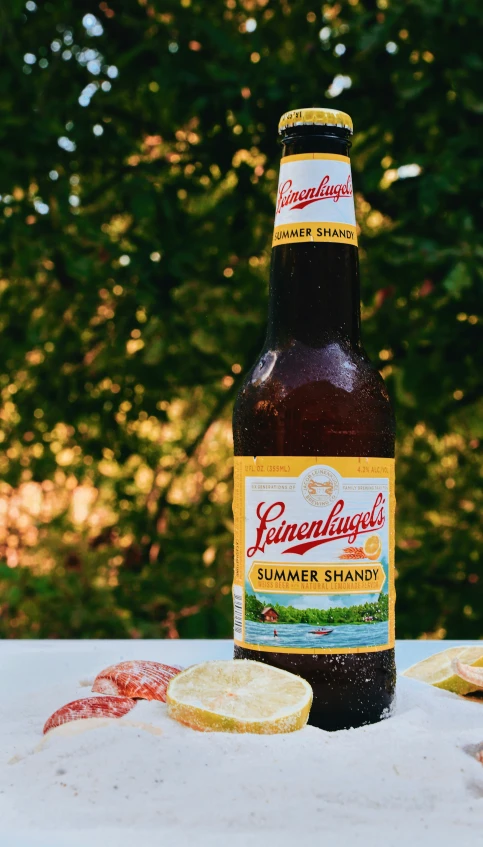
{"points": [[142, 680], [469, 673], [90, 707]]}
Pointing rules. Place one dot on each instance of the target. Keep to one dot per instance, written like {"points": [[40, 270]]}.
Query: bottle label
{"points": [[314, 554], [315, 200]]}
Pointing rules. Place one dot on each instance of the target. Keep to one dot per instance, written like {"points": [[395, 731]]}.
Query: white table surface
{"points": [[185, 651], [88, 654]]}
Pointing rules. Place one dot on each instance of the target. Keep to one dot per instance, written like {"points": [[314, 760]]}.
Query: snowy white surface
{"points": [[408, 781]]}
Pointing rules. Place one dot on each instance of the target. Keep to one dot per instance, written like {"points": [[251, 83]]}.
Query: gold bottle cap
{"points": [[315, 117]]}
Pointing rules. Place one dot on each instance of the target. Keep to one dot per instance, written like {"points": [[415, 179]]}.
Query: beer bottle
{"points": [[314, 451]]}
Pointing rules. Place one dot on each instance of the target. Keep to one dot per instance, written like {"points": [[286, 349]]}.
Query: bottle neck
{"points": [[314, 277]]}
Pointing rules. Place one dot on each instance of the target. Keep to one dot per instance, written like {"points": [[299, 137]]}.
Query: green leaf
{"points": [[457, 280]]}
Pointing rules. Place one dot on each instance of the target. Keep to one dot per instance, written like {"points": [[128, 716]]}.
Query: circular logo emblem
{"points": [[320, 486]]}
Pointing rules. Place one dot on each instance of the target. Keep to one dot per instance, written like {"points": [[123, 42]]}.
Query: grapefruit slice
{"points": [[239, 696]]}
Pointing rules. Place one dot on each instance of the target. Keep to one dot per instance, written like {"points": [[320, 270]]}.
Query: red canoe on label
{"points": [[141, 680], [90, 707]]}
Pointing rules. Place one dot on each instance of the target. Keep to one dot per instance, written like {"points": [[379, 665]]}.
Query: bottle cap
{"points": [[315, 117]]}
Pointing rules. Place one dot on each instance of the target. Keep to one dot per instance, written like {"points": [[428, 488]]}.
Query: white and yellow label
{"points": [[314, 554], [315, 200]]}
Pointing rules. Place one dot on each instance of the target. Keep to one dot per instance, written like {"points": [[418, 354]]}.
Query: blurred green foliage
{"points": [[138, 173]]}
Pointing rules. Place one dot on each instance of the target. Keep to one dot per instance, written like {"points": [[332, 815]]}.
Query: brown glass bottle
{"points": [[296, 401]]}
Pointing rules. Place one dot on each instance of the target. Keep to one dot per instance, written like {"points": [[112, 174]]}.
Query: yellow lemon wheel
{"points": [[239, 696], [439, 670], [372, 547]]}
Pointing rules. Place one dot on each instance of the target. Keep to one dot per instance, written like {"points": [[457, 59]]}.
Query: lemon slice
{"points": [[239, 696], [373, 547], [439, 670]]}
